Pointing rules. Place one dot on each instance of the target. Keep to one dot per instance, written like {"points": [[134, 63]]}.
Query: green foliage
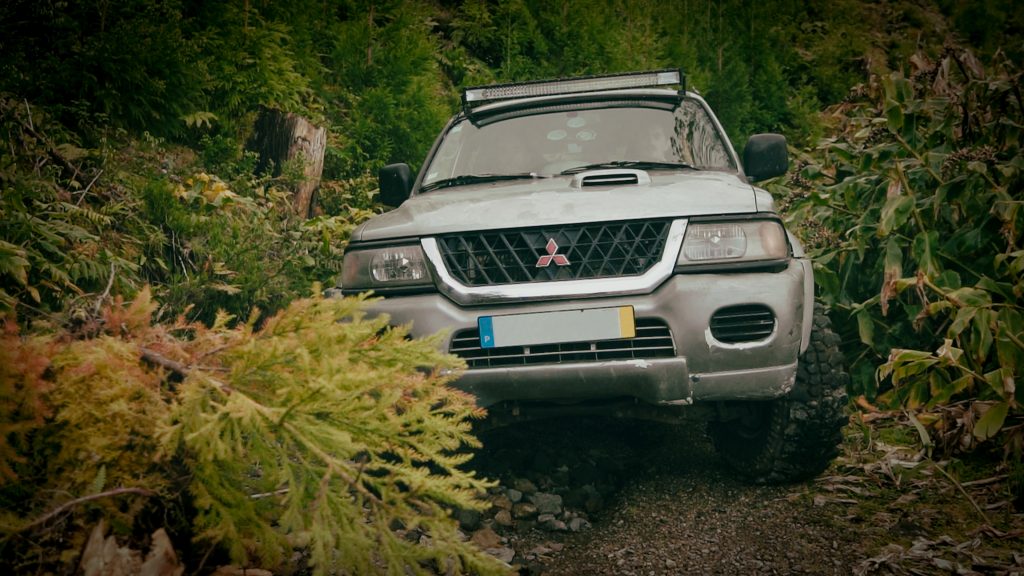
{"points": [[391, 99], [382, 75], [324, 433], [320, 431], [912, 210], [61, 234], [237, 251], [249, 62], [129, 60], [80, 417], [921, 187], [77, 221], [223, 155], [354, 196], [107, 408]]}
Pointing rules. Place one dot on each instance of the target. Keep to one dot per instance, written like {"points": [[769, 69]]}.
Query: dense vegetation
{"points": [[914, 211], [223, 400]]}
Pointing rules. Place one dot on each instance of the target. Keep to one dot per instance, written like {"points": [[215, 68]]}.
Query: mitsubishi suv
{"points": [[595, 244]]}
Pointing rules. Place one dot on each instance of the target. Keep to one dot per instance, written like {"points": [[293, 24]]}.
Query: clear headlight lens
{"points": [[384, 268], [750, 240]]}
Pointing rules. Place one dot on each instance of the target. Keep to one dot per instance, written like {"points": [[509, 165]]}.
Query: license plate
{"points": [[556, 327]]}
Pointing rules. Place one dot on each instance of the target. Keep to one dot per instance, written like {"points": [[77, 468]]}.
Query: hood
{"points": [[556, 201]]}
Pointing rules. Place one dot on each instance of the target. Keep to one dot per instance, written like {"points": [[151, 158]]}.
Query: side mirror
{"points": [[765, 156], [395, 183]]}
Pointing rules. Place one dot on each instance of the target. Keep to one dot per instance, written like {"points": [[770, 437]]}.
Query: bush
{"points": [[76, 221], [322, 431], [914, 213], [65, 229]]}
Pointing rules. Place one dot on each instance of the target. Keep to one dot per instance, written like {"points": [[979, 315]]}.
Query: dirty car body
{"points": [[588, 246]]}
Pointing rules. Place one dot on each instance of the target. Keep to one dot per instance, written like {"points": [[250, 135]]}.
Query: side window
{"points": [[696, 141]]}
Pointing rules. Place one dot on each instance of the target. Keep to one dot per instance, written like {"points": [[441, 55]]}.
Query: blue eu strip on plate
{"points": [[486, 332]]}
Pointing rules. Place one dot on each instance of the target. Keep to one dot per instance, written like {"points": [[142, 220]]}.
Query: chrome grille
{"points": [[745, 323], [592, 250], [653, 340]]}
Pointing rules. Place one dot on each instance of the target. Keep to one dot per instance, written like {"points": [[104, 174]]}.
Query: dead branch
{"points": [[182, 370], [106, 292], [269, 494], [51, 150], [986, 481], [160, 360], [86, 191], [962, 491], [72, 503]]}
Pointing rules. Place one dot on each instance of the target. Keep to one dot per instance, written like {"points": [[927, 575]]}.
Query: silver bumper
{"points": [[703, 369]]}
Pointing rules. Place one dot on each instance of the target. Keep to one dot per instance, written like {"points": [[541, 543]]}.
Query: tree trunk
{"points": [[282, 136]]}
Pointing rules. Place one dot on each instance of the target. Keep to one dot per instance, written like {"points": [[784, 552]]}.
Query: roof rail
{"points": [[478, 95]]}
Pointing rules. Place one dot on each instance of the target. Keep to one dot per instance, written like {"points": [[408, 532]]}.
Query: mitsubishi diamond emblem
{"points": [[552, 256]]}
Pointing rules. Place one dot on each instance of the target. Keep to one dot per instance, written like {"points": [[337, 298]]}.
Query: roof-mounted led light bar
{"points": [[477, 95]]}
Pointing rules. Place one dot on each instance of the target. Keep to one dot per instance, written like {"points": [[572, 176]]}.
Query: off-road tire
{"points": [[797, 436]]}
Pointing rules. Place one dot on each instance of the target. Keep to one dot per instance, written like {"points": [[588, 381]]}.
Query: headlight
{"points": [[394, 266], [743, 241]]}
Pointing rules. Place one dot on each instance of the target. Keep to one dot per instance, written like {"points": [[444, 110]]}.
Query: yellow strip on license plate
{"points": [[586, 325]]}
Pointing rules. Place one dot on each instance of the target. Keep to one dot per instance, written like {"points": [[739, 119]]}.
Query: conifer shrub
{"points": [[318, 430]]}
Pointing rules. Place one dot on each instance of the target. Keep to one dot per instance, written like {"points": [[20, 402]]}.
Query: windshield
{"points": [[552, 142]]}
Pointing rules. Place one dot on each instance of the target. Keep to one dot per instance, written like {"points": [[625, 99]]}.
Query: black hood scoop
{"points": [[615, 177]]}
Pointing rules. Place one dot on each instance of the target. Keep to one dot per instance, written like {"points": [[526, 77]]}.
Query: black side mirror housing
{"points": [[765, 156], [395, 184]]}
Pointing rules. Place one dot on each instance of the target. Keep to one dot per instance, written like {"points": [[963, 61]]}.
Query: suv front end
{"points": [[585, 242]]}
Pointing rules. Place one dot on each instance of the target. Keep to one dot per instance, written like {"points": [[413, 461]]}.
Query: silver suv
{"points": [[595, 245]]}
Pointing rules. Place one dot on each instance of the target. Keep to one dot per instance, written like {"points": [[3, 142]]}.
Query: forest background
{"points": [[145, 265]]}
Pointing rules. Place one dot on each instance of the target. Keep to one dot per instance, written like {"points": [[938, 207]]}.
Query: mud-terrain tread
{"points": [[803, 430]]}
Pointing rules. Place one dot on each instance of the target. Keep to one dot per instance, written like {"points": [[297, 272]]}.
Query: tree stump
{"points": [[282, 136]]}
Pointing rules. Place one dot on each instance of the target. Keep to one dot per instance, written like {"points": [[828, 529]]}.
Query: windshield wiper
{"points": [[466, 179], [638, 164]]}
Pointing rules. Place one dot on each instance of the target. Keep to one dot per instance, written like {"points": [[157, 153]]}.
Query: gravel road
{"points": [[660, 502]]}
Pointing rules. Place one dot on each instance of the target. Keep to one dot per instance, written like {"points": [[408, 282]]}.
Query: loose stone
{"points": [[577, 524], [547, 503], [502, 502], [503, 518], [524, 485], [505, 554], [469, 519], [524, 510], [486, 538]]}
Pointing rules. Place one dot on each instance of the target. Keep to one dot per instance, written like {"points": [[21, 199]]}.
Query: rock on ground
{"points": [[624, 498]]}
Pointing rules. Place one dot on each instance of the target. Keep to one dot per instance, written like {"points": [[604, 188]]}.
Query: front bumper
{"points": [[702, 368]]}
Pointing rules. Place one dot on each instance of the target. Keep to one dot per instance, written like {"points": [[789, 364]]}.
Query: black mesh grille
{"points": [[653, 340], [576, 252], [742, 323]]}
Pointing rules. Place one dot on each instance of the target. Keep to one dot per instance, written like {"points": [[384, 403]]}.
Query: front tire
{"points": [[797, 436]]}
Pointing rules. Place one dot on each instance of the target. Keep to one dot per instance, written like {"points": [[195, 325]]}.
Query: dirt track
{"points": [[669, 506]]}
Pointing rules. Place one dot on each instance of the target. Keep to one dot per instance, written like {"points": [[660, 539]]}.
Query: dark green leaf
{"points": [[925, 246], [981, 335], [865, 327], [970, 297], [894, 117], [894, 214], [991, 422], [948, 280]]}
